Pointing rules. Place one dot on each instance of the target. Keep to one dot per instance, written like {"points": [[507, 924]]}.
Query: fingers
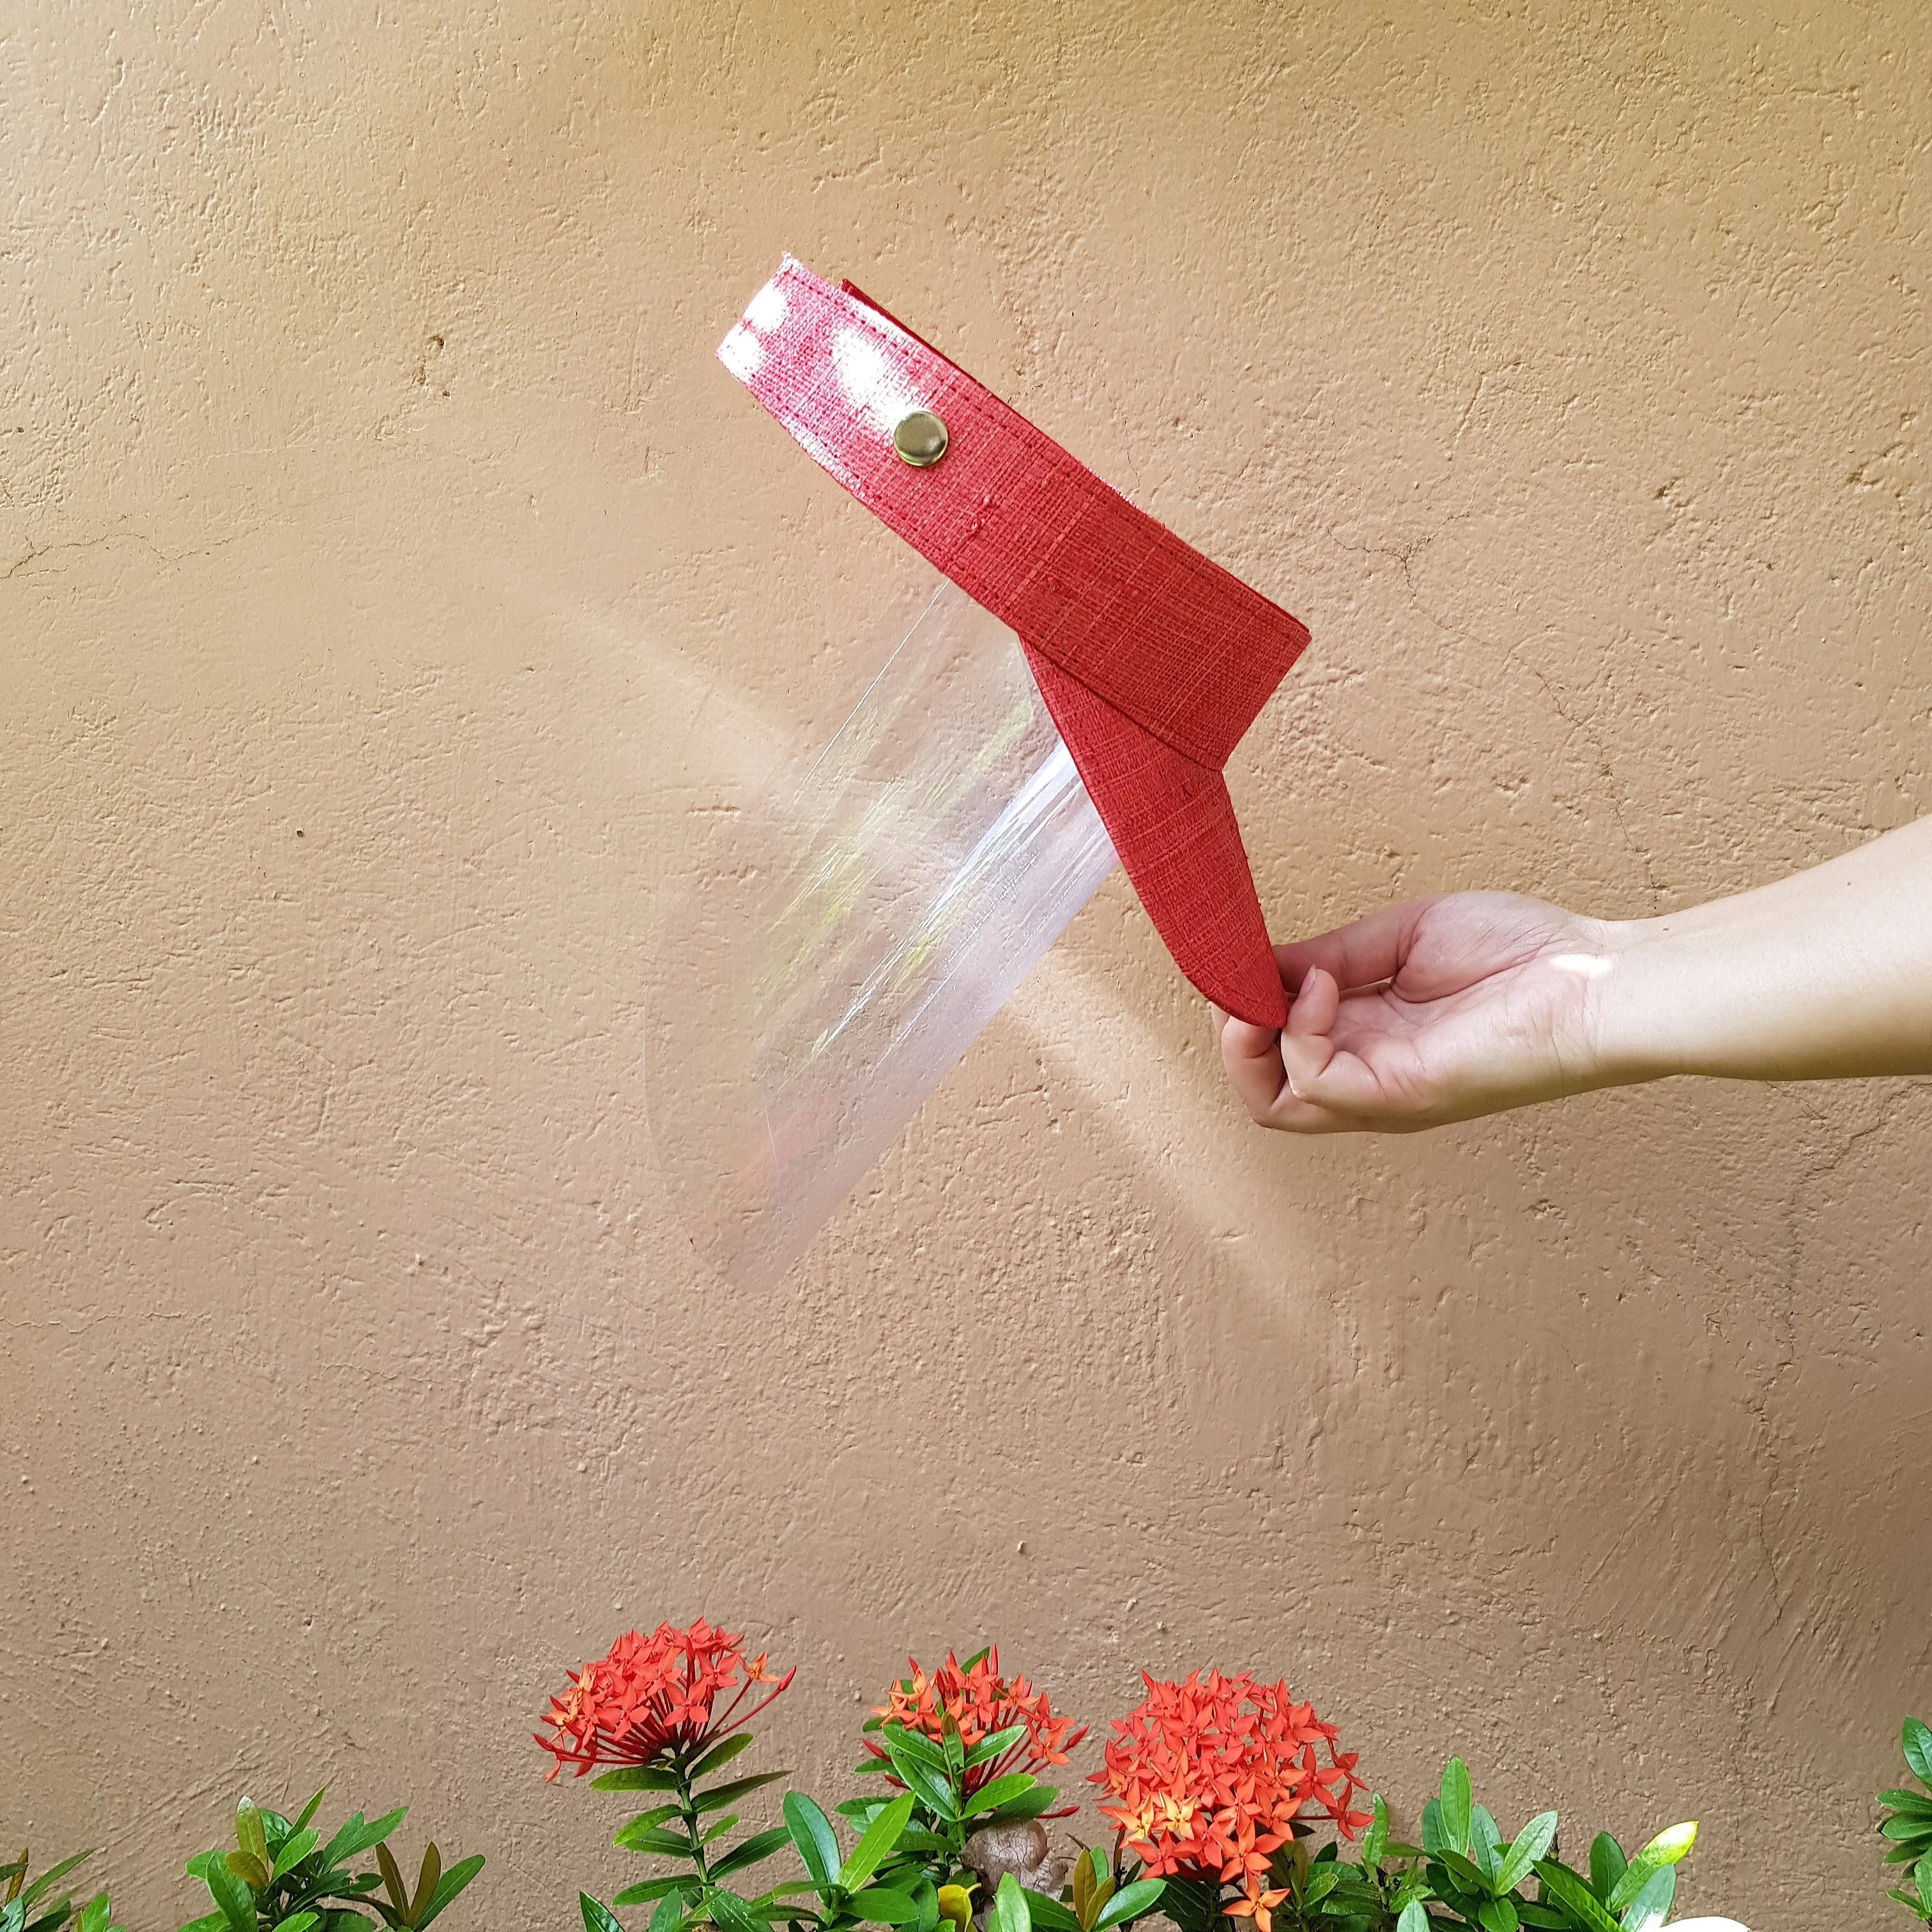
{"points": [[1278, 1077], [1252, 1057], [1363, 954]]}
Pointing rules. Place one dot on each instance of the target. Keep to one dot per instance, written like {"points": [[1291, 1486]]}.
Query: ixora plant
{"points": [[1216, 1787], [282, 1876], [1908, 1823], [28, 1905]]}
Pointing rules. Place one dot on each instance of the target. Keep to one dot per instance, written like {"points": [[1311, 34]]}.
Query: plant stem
{"points": [[687, 1806]]}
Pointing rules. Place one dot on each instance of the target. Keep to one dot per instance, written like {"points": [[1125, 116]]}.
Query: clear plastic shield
{"points": [[851, 934]]}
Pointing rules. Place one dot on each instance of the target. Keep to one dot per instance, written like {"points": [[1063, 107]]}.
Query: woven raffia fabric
{"points": [[1153, 660]]}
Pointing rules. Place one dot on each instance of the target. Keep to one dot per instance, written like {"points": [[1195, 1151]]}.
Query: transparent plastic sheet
{"points": [[850, 934]]}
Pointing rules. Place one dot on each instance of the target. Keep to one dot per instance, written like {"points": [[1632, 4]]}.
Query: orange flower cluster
{"points": [[654, 1697], [979, 1701], [1207, 1780]]}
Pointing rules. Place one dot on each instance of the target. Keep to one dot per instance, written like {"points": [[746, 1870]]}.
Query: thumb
{"points": [[1254, 1066], [1306, 1046]]}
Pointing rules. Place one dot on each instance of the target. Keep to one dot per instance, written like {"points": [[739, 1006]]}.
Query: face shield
{"points": [[853, 930], [1068, 693]]}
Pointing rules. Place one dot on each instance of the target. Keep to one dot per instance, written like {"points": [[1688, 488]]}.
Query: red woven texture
{"points": [[1153, 660]]}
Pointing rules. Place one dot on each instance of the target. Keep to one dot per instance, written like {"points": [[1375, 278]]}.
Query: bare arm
{"points": [[1448, 1008]]}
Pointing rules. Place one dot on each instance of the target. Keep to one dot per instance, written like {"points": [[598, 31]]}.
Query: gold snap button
{"points": [[919, 438]]}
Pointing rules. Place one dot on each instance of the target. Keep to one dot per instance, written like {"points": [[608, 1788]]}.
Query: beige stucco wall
{"points": [[387, 573]]}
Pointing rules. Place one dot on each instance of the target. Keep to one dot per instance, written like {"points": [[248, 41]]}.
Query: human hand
{"points": [[1441, 1009]]}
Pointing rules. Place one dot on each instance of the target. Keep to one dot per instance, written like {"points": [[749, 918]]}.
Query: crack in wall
{"points": [[1579, 724]]}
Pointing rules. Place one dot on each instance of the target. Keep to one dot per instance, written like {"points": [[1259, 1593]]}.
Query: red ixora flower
{"points": [[655, 1697], [1207, 1778], [979, 1701]]}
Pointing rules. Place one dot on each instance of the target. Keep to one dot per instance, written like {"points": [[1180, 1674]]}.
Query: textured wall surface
{"points": [[388, 574]]}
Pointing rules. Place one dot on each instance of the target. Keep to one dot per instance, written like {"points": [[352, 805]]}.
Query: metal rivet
{"points": [[919, 438]]}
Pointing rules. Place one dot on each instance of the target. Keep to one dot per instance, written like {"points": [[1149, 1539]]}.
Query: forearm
{"points": [[1826, 974]]}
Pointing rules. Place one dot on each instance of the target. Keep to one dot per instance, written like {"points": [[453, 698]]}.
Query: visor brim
{"points": [[1173, 826]]}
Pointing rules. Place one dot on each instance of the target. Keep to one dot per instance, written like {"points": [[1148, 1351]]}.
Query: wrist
{"points": [[1628, 1006], [1645, 1017]]}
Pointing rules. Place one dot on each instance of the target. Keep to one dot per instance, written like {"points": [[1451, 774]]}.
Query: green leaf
{"points": [[879, 1905], [236, 1902], [1374, 1841], [295, 1849], [1902, 1800], [1651, 1906], [1454, 1813], [251, 1837], [811, 1832], [669, 1914], [596, 1918], [1463, 1873], [1414, 1918], [928, 1898], [927, 1781], [1670, 1846], [1531, 1844], [1321, 1881], [1028, 1804], [954, 1746], [1008, 1911], [309, 1810], [730, 1913], [1917, 1740], [749, 1851], [898, 1738], [653, 1838], [1496, 1915], [684, 1884], [1049, 1915], [249, 1869], [635, 1778], [1193, 1905], [1607, 1864], [1001, 1791], [720, 1756], [1432, 1839], [659, 1815], [1486, 1839], [1544, 1918], [300, 1922], [354, 1837], [990, 1746], [1090, 1875], [872, 1849], [1663, 1851], [1921, 1876], [1129, 1902], [718, 1830], [447, 1887], [51, 1877], [94, 1914], [730, 1794], [1583, 1906]]}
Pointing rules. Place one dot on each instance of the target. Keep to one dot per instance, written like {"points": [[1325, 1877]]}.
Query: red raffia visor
{"points": [[1153, 660]]}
